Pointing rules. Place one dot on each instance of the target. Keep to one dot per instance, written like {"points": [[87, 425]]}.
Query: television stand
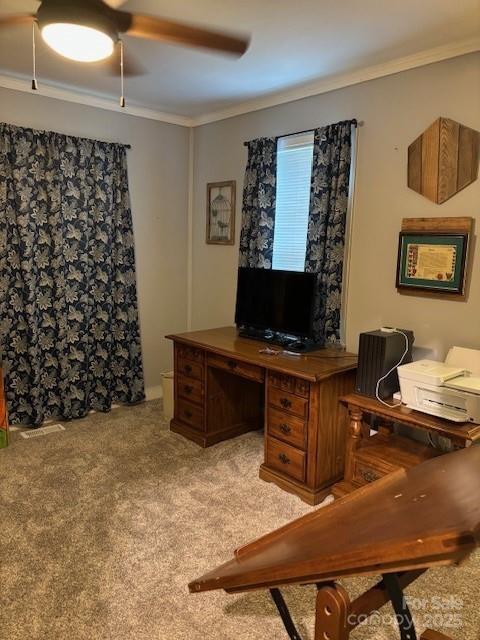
{"points": [[288, 342], [264, 335], [303, 346]]}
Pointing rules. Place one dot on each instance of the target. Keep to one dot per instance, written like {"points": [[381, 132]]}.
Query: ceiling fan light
{"points": [[77, 42]]}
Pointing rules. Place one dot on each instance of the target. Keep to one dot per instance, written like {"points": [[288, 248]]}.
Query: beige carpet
{"points": [[103, 525]]}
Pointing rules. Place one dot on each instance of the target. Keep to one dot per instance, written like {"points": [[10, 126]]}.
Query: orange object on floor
{"points": [[3, 416]]}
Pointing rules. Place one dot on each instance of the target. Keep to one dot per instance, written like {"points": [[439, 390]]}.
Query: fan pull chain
{"points": [[34, 58], [122, 78]]}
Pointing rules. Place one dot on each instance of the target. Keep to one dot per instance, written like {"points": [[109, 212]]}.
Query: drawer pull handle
{"points": [[369, 476], [188, 368], [188, 389], [188, 413], [283, 458], [284, 428], [232, 364], [286, 403]]}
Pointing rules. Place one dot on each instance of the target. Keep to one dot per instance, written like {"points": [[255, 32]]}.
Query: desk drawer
{"points": [[190, 353], [288, 402], [365, 473], [285, 458], [289, 383], [288, 428], [190, 368], [243, 369], [189, 413], [190, 389]]}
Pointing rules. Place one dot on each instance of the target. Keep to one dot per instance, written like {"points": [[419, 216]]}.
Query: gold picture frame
{"points": [[221, 212]]}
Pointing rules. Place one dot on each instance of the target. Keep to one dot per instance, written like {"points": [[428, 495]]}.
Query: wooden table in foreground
{"points": [[397, 527], [368, 458], [225, 386]]}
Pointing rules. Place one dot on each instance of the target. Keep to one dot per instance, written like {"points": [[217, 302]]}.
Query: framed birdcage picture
{"points": [[221, 212]]}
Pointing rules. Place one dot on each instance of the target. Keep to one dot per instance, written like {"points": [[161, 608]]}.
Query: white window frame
{"points": [[288, 148]]}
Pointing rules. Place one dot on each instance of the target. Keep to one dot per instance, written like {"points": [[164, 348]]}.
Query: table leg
{"points": [[434, 635], [331, 619], [353, 440]]}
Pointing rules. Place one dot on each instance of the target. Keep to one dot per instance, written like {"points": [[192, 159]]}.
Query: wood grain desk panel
{"points": [[314, 366], [230, 388]]}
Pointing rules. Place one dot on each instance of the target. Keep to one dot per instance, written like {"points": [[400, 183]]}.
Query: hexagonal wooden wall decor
{"points": [[443, 160]]}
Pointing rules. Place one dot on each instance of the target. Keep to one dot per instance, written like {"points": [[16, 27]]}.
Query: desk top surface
{"points": [[313, 366], [425, 516], [404, 415]]}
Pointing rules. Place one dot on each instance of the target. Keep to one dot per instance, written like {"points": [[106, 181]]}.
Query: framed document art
{"points": [[432, 262], [221, 212]]}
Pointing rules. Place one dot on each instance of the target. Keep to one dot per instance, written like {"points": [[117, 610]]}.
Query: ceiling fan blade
{"points": [[17, 20], [170, 31], [131, 66]]}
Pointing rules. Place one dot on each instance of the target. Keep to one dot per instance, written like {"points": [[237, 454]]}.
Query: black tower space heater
{"points": [[378, 352]]}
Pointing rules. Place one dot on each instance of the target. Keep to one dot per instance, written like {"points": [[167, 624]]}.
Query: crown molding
{"points": [[91, 100], [318, 87], [341, 81]]}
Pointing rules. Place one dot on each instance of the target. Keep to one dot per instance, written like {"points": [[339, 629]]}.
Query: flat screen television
{"points": [[275, 301]]}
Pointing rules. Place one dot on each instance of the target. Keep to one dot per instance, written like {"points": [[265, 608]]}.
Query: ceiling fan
{"points": [[87, 31]]}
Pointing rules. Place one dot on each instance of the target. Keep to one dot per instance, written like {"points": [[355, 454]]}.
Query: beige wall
{"points": [[395, 110], [158, 176]]}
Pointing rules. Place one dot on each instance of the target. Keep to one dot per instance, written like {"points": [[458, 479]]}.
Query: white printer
{"points": [[449, 389]]}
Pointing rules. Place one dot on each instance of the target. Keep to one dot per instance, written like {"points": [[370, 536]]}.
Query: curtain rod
{"points": [[65, 135], [353, 122]]}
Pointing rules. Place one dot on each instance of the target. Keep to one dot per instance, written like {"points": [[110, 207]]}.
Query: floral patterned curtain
{"points": [[258, 213], [69, 333], [327, 223]]}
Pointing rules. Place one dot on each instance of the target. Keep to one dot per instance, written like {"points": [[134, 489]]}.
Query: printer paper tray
{"points": [[440, 413], [442, 404]]}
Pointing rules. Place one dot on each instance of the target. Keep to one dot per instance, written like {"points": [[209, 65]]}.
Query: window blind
{"points": [[294, 172]]}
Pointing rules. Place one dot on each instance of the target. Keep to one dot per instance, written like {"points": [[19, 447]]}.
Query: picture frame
{"points": [[221, 208], [432, 262]]}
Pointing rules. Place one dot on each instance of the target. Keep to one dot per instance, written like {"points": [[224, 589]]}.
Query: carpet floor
{"points": [[103, 525]]}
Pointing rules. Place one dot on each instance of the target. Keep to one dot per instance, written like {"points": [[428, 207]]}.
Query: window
{"points": [[294, 172]]}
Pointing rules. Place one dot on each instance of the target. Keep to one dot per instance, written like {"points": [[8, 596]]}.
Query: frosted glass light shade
{"points": [[76, 42]]}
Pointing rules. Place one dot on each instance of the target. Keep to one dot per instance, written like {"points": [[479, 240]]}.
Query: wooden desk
{"points": [[399, 527], [368, 458], [224, 387]]}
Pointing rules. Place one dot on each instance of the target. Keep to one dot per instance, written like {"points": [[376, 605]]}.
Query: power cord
{"points": [[380, 380], [331, 357]]}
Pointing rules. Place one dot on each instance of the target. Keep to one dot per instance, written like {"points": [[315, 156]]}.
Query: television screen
{"points": [[281, 301]]}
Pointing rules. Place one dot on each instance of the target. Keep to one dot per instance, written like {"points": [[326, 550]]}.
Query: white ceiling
{"points": [[293, 44]]}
